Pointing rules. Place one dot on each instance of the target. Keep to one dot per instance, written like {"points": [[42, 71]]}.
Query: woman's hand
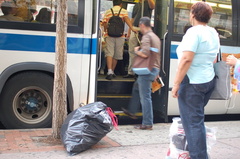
{"points": [[175, 90], [231, 60]]}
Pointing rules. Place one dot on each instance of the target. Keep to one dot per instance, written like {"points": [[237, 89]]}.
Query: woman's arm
{"points": [[184, 65], [151, 4], [129, 23]]}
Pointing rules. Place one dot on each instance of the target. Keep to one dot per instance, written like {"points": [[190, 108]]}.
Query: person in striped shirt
{"points": [[114, 45]]}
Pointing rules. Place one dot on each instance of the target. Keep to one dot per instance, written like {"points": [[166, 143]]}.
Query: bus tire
{"points": [[26, 101]]}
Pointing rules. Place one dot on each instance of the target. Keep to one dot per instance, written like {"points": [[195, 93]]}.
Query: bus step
{"points": [[114, 102], [115, 87]]}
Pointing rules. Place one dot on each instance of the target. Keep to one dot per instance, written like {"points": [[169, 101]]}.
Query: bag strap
{"points": [[118, 12], [112, 12], [136, 35], [113, 117], [219, 55], [140, 41]]}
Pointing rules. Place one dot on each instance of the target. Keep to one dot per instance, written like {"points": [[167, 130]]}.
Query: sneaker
{"points": [[114, 76], [101, 72], [110, 76]]}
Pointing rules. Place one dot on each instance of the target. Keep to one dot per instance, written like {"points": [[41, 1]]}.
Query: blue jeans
{"points": [[134, 104], [144, 86], [192, 100]]}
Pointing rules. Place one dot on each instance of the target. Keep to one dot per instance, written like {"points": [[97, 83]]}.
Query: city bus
{"points": [[27, 53]]}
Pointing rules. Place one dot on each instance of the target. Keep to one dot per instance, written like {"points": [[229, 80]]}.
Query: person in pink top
{"points": [[114, 45]]}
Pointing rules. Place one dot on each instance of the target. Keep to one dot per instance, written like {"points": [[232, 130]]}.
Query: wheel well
{"points": [[50, 73]]}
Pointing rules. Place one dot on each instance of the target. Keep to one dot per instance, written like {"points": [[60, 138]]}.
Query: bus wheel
{"points": [[26, 101]]}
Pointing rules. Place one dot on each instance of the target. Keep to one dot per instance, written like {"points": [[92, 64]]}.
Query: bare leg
{"points": [[109, 62], [114, 64]]}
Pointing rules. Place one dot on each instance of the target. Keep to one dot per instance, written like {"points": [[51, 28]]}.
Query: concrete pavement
{"points": [[125, 143]]}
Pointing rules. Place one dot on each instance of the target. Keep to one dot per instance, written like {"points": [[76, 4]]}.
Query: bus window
{"points": [[41, 11], [181, 16], [105, 5], [72, 12], [221, 19]]}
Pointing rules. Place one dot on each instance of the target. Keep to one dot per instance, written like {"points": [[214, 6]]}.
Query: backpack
{"points": [[115, 25]]}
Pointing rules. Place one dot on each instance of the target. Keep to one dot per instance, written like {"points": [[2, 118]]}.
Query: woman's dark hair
{"points": [[44, 16], [117, 2], [202, 11]]}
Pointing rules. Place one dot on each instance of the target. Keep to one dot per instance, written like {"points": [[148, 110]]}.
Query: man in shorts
{"points": [[114, 45]]}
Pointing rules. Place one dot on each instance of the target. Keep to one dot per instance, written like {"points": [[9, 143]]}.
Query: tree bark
{"points": [[59, 90]]}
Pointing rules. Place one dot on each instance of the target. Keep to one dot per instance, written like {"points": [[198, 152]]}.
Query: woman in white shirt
{"points": [[194, 81]]}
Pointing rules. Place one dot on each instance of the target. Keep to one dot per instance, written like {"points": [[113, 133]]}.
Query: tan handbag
{"points": [[143, 66]]}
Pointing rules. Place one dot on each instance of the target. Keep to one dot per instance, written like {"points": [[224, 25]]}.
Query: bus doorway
{"points": [[116, 93]]}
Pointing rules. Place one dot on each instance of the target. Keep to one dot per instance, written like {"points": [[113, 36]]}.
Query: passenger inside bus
{"points": [[44, 16], [26, 9], [9, 10]]}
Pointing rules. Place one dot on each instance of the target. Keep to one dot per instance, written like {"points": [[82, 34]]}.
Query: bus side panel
{"points": [[213, 107]]}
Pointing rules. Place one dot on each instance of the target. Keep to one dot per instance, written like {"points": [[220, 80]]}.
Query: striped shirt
{"points": [[108, 14]]}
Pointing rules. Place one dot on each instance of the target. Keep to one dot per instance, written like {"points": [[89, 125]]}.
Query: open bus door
{"points": [[116, 93], [163, 13]]}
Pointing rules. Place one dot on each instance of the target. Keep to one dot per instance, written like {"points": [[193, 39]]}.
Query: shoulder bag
{"points": [[222, 90], [143, 66]]}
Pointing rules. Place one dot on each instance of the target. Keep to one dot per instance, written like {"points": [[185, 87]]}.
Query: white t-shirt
{"points": [[204, 42]]}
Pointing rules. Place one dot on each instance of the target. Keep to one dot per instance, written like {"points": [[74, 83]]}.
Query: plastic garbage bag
{"points": [[178, 143], [85, 126]]}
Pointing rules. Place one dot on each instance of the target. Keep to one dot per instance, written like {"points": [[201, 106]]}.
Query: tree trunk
{"points": [[59, 90]]}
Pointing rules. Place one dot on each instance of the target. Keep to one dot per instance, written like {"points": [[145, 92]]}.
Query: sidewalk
{"points": [[126, 143]]}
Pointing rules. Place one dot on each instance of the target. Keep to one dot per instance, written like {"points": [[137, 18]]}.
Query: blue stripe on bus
{"points": [[40, 43], [224, 49], [173, 53]]}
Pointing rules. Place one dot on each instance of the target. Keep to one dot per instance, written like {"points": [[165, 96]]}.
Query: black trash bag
{"points": [[85, 126]]}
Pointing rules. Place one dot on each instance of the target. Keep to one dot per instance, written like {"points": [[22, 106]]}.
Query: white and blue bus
{"points": [[27, 54]]}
